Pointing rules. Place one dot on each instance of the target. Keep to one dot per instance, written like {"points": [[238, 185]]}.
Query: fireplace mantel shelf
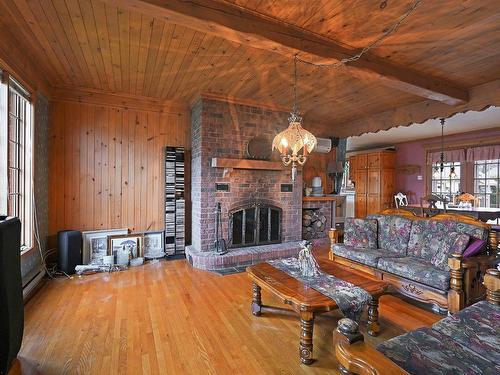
{"points": [[228, 163]]}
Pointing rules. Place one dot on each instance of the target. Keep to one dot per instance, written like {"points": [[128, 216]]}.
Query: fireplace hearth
{"points": [[255, 224]]}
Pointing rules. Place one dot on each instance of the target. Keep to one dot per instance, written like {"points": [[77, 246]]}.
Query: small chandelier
{"points": [[295, 138], [438, 169]]}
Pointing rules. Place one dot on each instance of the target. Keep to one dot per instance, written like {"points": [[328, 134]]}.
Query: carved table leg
{"points": [[256, 300], [373, 326], [306, 337]]}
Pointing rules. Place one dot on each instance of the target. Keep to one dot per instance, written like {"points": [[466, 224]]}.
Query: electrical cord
{"points": [[374, 44], [52, 272]]}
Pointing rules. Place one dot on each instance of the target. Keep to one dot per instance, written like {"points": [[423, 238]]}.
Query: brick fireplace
{"points": [[222, 130]]}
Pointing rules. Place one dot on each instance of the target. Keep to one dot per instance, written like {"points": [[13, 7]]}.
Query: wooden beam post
{"points": [[243, 26]]}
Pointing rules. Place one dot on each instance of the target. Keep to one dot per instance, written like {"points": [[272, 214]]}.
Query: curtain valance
{"points": [[483, 153], [457, 156]]}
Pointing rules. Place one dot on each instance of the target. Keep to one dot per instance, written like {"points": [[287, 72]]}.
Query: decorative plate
{"points": [[259, 148]]}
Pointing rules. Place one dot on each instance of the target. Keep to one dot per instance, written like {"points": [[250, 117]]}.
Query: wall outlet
{"points": [[419, 178]]}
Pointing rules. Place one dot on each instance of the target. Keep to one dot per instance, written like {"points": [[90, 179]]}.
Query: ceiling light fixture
{"points": [[439, 168], [291, 141]]}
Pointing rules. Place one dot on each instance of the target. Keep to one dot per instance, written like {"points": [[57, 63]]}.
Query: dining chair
{"points": [[401, 200], [466, 198], [432, 209]]}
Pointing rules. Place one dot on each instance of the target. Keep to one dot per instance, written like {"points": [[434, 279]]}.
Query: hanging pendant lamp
{"points": [[294, 143], [438, 169]]}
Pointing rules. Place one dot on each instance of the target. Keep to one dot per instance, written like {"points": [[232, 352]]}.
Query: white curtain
{"points": [[449, 156], [483, 153]]}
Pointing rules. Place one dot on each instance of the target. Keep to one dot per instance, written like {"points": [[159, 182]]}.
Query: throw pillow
{"points": [[360, 233], [474, 247], [454, 243]]}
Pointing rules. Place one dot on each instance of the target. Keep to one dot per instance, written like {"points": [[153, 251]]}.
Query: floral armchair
{"points": [[464, 343]]}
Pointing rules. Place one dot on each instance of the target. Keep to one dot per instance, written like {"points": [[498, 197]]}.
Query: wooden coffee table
{"points": [[308, 302]]}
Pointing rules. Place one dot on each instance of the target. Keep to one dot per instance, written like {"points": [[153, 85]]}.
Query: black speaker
{"points": [[11, 292], [69, 244]]}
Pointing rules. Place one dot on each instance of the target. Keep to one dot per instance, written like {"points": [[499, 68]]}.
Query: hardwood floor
{"points": [[168, 318]]}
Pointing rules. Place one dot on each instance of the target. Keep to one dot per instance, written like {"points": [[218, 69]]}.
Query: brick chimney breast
{"points": [[221, 129]]}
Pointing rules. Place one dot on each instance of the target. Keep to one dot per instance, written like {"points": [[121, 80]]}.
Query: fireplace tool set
{"points": [[220, 243]]}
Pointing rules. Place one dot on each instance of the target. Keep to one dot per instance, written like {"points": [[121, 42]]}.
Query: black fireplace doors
{"points": [[255, 224]]}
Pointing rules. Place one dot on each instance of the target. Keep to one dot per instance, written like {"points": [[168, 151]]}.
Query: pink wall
{"points": [[414, 153], [406, 154]]}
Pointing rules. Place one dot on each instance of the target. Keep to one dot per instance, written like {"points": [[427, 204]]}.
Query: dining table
{"points": [[481, 213]]}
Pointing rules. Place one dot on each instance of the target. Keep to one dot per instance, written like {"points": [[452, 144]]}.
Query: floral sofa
{"points": [[464, 343], [420, 257]]}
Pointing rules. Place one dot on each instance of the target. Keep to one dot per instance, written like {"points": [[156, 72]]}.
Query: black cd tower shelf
{"points": [[175, 203]]}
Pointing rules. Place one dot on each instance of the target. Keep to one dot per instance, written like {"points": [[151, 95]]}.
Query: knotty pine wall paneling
{"points": [[106, 165], [316, 165]]}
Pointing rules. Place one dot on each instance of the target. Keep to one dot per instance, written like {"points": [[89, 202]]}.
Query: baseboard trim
{"points": [[33, 285]]}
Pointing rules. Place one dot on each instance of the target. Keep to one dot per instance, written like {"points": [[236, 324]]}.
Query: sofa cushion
{"points": [[426, 238], [472, 230], [393, 233], [426, 351], [360, 232], [476, 327], [369, 257], [455, 243], [416, 269]]}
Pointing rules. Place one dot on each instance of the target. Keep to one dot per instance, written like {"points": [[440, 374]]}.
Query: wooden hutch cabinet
{"points": [[374, 178]]}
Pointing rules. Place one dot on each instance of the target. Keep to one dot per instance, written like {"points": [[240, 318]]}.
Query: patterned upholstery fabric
{"points": [[426, 238], [477, 327], [471, 230], [416, 269], [454, 243], [360, 233], [369, 257], [393, 233], [426, 351]]}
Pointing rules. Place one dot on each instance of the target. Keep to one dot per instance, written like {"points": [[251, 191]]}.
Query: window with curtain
{"points": [[486, 182], [19, 160], [444, 184]]}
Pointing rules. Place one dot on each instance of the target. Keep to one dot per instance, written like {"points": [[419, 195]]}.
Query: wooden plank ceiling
{"points": [[97, 45], [458, 41]]}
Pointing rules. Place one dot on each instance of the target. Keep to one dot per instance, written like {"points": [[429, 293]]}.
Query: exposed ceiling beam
{"points": [[244, 26], [481, 97]]}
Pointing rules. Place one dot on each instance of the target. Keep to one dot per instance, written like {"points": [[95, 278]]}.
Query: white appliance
{"points": [[316, 182], [323, 146]]}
